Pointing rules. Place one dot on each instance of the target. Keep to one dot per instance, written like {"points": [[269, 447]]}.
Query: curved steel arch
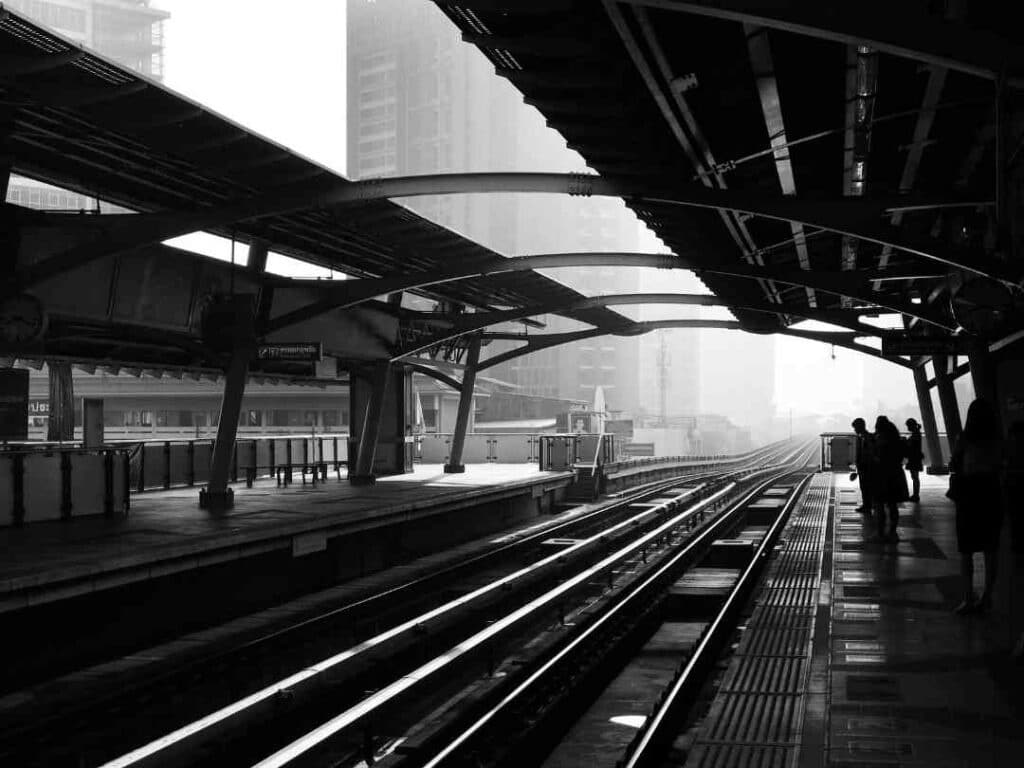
{"points": [[481, 320], [853, 283], [546, 341], [433, 373], [857, 217]]}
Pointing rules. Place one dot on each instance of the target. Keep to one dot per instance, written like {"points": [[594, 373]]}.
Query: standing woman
{"points": [[976, 487], [890, 485], [915, 459]]}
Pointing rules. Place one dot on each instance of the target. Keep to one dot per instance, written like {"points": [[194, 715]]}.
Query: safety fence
{"points": [[837, 451], [39, 483], [165, 464], [481, 448], [565, 452]]}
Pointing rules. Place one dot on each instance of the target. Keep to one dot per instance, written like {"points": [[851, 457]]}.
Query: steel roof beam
{"points": [[879, 25], [476, 321], [855, 284], [857, 217], [546, 341], [16, 66], [78, 97], [433, 373], [760, 53], [676, 112], [351, 292], [541, 45]]}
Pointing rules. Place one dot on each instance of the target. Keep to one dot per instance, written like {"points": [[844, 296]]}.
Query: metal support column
{"points": [[61, 422], [455, 465], [363, 474], [947, 399], [932, 446], [217, 495], [982, 372]]}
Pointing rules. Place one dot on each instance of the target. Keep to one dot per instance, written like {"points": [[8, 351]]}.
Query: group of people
{"points": [[987, 478], [879, 460]]}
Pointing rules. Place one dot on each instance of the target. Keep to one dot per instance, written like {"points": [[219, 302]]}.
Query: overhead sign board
{"points": [[894, 346], [14, 404], [291, 352]]}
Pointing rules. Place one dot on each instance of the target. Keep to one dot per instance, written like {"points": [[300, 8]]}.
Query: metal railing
{"points": [[162, 464]]}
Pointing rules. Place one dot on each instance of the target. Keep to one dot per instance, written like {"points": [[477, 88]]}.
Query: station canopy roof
{"points": [[805, 100], [83, 123]]}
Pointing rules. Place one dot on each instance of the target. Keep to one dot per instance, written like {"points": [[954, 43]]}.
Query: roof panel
{"points": [[150, 149]]}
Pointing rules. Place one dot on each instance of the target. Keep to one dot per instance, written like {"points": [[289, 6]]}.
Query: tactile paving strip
{"points": [[757, 716], [739, 756]]}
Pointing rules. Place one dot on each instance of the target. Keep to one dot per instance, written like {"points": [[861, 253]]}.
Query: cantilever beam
{"points": [[853, 283], [433, 373], [477, 321], [546, 341], [863, 218]]}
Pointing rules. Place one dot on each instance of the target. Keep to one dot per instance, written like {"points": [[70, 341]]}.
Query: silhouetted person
{"points": [[977, 464], [1015, 511], [864, 460], [915, 459], [890, 482]]}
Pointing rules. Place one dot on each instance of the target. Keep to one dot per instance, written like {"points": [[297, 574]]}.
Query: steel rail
{"points": [[354, 714], [652, 737], [219, 718], [635, 593], [387, 695], [506, 544]]}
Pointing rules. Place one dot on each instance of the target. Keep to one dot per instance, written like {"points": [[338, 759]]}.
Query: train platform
{"points": [[872, 668], [166, 533]]}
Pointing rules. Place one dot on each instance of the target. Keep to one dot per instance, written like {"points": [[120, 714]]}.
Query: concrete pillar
{"points": [[61, 423], [363, 474], [455, 464], [947, 399], [932, 446]]}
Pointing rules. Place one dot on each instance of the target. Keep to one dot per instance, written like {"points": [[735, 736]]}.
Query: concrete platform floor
{"points": [[910, 683], [168, 525]]}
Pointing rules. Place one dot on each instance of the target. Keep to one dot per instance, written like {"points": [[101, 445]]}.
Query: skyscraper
{"points": [[422, 101]]}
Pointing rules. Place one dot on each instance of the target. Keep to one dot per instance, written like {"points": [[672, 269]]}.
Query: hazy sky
{"points": [[280, 70]]}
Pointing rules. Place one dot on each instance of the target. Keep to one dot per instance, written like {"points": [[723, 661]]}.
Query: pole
{"points": [[947, 399], [455, 465], [936, 464], [371, 427]]}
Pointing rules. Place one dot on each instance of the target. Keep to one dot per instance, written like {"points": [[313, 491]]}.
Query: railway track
{"points": [[248, 707], [523, 722]]}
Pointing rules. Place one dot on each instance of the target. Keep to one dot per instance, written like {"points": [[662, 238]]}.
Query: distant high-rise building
{"points": [[127, 31], [422, 101], [738, 377]]}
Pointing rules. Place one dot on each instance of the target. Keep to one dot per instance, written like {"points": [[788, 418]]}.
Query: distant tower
{"points": [[664, 364], [420, 100]]}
